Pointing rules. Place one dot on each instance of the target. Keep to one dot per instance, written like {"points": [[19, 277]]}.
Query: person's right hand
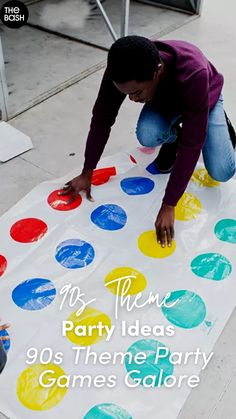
{"points": [[4, 327], [78, 184]]}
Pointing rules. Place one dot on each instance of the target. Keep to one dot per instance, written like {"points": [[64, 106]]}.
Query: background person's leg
{"points": [[154, 129], [218, 152], [3, 357]]}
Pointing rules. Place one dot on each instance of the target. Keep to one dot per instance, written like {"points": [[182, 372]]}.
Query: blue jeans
{"points": [[154, 129]]}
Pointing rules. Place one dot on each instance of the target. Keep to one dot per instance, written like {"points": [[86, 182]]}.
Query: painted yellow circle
{"points": [[202, 178], [89, 317], [188, 207], [125, 281], [36, 397], [147, 243]]}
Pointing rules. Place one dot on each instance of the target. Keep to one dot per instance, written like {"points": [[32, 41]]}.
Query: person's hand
{"points": [[78, 184], [4, 327], [165, 225]]}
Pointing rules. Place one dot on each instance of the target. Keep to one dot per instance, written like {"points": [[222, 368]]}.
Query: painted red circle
{"points": [[133, 159], [101, 176], [28, 230], [3, 264], [59, 202]]}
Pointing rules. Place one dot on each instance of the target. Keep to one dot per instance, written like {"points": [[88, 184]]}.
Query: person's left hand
{"points": [[4, 327], [165, 225]]}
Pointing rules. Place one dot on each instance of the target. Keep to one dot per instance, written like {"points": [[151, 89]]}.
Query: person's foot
{"points": [[231, 130], [165, 159]]}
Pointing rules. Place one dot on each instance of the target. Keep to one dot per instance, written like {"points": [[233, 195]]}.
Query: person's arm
{"points": [[105, 110], [193, 136]]}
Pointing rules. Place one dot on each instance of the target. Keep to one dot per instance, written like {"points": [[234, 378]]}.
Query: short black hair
{"points": [[132, 58]]}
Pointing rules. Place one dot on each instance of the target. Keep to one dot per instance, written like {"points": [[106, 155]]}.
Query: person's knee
{"points": [[221, 174], [147, 135]]}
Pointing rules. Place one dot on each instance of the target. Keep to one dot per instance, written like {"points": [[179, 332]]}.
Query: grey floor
{"points": [[58, 126]]}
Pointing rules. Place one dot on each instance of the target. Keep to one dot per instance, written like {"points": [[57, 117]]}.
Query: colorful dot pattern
{"points": [[137, 185], [211, 266], [109, 217], [186, 309], [34, 294], [74, 254], [125, 281], [90, 316], [152, 365], [28, 230], [59, 202], [107, 411], [225, 230], [148, 245], [41, 398]]}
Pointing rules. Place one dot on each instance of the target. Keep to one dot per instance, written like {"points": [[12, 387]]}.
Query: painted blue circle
{"points": [[211, 266], [75, 253], [189, 310], [34, 294], [6, 343], [107, 411], [160, 367], [137, 185], [109, 217]]}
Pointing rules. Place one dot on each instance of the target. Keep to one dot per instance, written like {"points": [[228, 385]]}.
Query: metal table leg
{"points": [[3, 88], [124, 27]]}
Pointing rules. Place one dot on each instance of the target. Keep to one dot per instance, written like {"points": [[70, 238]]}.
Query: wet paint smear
{"points": [[28, 230], [89, 317], [3, 264], [36, 397], [137, 185], [225, 230], [150, 367], [75, 253], [211, 266], [59, 202], [34, 294], [189, 310], [101, 176], [107, 411], [109, 217], [6, 343]]}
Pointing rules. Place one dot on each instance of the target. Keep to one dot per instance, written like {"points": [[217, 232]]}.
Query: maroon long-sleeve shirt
{"points": [[190, 87]]}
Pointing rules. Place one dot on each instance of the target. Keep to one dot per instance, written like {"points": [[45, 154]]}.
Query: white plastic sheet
{"points": [[45, 247]]}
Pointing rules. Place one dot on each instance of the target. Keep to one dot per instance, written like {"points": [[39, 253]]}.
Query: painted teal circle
{"points": [[137, 185], [34, 294], [211, 266], [150, 367], [107, 411], [109, 217], [225, 230], [74, 254], [189, 310]]}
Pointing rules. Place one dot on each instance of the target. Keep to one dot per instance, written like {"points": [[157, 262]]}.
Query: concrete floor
{"points": [[59, 126]]}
